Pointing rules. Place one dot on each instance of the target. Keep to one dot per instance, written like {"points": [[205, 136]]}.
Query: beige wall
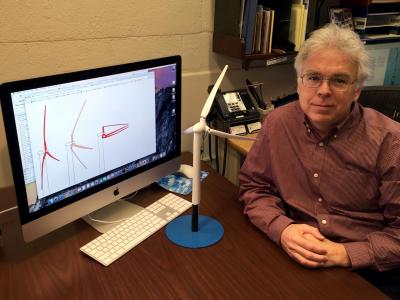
{"points": [[42, 37]]}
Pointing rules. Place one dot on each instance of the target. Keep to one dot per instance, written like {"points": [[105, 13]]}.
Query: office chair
{"points": [[385, 99]]}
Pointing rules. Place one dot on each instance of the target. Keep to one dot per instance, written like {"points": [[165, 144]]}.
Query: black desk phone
{"points": [[236, 113]]}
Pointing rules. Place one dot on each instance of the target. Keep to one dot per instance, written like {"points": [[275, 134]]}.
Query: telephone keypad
{"points": [[234, 102]]}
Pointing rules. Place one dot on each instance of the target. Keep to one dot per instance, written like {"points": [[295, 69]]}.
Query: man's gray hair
{"points": [[345, 40]]}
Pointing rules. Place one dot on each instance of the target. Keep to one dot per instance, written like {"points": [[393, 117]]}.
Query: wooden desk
{"points": [[242, 146], [245, 264]]}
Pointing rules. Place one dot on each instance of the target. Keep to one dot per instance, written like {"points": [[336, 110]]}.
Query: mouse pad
{"points": [[178, 183]]}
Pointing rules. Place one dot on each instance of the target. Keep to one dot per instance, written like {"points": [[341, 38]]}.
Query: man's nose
{"points": [[325, 87]]}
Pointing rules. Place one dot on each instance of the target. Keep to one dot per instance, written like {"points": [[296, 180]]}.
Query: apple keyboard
{"points": [[114, 243]]}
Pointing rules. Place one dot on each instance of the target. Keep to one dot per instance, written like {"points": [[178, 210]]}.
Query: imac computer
{"points": [[82, 140]]}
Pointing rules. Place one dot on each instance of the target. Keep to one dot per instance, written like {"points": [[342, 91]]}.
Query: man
{"points": [[323, 178]]}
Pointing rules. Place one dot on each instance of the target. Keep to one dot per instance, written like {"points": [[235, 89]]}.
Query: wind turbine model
{"points": [[204, 231]]}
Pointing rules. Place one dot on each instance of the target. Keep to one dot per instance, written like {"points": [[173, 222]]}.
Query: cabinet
{"points": [[376, 21], [230, 37]]}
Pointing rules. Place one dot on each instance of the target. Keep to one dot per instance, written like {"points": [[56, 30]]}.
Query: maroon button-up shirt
{"points": [[347, 184]]}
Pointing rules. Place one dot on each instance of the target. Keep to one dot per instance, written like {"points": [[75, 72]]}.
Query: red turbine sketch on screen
{"points": [[110, 130], [74, 144], [105, 141], [46, 150]]}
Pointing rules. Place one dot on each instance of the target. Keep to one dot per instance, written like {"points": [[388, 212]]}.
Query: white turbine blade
{"points": [[228, 135], [188, 130], [211, 96]]}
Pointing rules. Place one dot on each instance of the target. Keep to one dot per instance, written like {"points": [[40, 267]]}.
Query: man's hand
{"points": [[336, 253], [300, 243], [307, 246]]}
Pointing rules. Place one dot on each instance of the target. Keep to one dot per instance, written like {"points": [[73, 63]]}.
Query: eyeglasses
{"points": [[337, 82]]}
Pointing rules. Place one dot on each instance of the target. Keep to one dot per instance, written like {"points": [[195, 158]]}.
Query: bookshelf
{"points": [[231, 35], [233, 46]]}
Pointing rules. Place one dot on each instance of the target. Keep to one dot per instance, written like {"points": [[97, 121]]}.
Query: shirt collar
{"points": [[351, 120]]}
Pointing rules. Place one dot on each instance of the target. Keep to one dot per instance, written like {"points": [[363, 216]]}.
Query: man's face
{"points": [[326, 105]]}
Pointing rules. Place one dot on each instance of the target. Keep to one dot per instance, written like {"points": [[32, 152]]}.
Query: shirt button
{"points": [[320, 200], [316, 175], [324, 222], [320, 144]]}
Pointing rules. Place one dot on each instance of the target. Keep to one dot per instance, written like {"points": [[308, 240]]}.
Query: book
{"points": [[302, 32], [242, 2], [258, 30], [304, 22], [256, 34], [266, 30], [271, 31]]}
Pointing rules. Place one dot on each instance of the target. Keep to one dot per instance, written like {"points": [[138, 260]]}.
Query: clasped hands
{"points": [[306, 245]]}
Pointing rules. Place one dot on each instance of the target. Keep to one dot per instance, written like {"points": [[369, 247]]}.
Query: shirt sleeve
{"points": [[381, 251], [262, 204]]}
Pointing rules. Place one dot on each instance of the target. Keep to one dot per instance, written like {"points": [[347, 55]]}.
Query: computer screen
{"points": [[81, 140]]}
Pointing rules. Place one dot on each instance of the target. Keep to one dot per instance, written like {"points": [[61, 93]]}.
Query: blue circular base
{"points": [[179, 231]]}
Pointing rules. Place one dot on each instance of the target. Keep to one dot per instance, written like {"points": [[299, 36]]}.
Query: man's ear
{"points": [[298, 85], [357, 93]]}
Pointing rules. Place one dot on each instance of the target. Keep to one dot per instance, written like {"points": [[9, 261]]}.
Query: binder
{"points": [[295, 16], [304, 22], [298, 24], [248, 24]]}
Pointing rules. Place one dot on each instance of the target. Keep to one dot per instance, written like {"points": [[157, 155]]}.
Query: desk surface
{"points": [[242, 146], [245, 264]]}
